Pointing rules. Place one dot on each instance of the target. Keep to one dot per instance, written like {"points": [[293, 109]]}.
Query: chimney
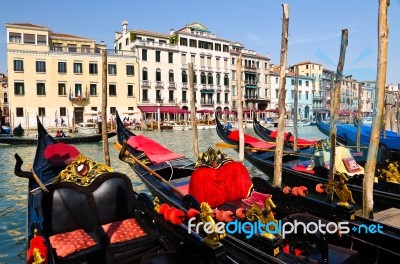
{"points": [[124, 26], [171, 32]]}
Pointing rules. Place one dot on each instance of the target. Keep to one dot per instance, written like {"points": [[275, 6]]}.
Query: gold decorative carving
{"points": [[214, 237], [340, 189], [212, 158], [391, 174], [82, 171], [265, 216]]}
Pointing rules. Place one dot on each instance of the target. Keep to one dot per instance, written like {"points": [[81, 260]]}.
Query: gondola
{"points": [[81, 211], [76, 139], [347, 135], [269, 135], [170, 180], [295, 172]]}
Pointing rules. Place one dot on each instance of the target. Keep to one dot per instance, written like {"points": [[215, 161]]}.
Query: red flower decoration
{"points": [[167, 213], [177, 217], [320, 188], [302, 191], [163, 208], [218, 216], [286, 190], [295, 191], [240, 213], [192, 213], [227, 216]]}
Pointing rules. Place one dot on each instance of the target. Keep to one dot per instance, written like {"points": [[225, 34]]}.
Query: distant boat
{"points": [[87, 128]]}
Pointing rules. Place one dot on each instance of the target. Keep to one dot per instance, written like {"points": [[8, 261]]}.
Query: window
{"points": [[40, 66], [183, 41], [307, 83], [93, 68], [78, 89], [300, 83], [234, 75], [62, 67], [171, 96], [233, 61], [162, 41], [201, 44], [194, 78], [63, 111], [276, 80], [276, 93], [130, 70], [20, 111], [150, 40], [42, 111], [184, 77], [126, 41], [62, 89], [145, 95], [218, 97], [19, 65], [158, 75], [307, 66], [225, 48], [29, 38], [14, 37], [112, 90], [184, 96], [113, 110], [77, 67], [183, 58], [193, 43], [292, 94], [218, 79], [145, 75], [171, 76], [130, 89], [209, 61], [144, 55], [85, 49], [158, 95], [170, 57], [226, 80], [93, 108], [233, 90], [193, 58], [202, 61], [203, 78], [19, 88], [210, 79], [112, 69], [218, 47], [5, 98], [93, 89], [299, 95], [158, 56], [292, 81], [71, 47]]}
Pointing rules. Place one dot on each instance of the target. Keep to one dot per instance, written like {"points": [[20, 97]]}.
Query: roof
{"points": [[150, 33], [26, 25], [307, 62], [61, 35]]}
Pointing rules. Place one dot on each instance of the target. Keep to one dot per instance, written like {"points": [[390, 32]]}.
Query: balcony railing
{"points": [[145, 83], [172, 85], [247, 96], [206, 102], [159, 84]]}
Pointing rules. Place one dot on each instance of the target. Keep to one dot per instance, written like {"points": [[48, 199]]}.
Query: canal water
{"points": [[13, 190]]}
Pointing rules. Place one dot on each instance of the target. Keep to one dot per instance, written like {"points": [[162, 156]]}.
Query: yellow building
{"points": [[55, 75]]}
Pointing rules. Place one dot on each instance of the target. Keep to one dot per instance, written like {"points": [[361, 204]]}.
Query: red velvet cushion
{"points": [[71, 242], [60, 155], [303, 168], [217, 186], [124, 230]]}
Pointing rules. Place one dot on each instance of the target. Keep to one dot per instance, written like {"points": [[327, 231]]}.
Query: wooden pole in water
{"points": [[296, 103], [392, 117], [240, 106], [281, 99], [398, 108], [335, 104], [104, 109], [192, 93], [359, 116], [369, 176]]}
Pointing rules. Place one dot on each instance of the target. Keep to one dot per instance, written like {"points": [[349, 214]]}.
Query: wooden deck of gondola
{"points": [[389, 216]]}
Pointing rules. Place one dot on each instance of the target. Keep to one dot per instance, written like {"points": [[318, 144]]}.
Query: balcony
{"points": [[171, 85], [249, 68], [318, 98], [146, 43], [207, 102], [185, 67], [185, 86], [250, 97], [159, 84], [145, 83]]}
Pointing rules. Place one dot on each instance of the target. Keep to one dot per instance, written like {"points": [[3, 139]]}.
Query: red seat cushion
{"points": [[183, 188], [60, 155], [303, 168], [71, 242], [124, 230]]}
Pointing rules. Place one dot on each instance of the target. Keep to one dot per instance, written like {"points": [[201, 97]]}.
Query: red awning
{"points": [[163, 109], [205, 111]]}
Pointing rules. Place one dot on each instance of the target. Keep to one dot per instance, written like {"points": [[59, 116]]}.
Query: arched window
{"points": [[203, 78], [158, 75], [184, 77], [144, 74], [5, 98], [210, 78], [171, 76], [226, 79], [218, 79]]}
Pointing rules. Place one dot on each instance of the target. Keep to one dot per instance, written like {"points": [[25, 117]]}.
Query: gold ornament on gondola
{"points": [[265, 216], [212, 158], [214, 237], [82, 171], [340, 189], [391, 174]]}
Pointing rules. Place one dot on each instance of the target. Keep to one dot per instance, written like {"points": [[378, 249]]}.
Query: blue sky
{"points": [[314, 27]]}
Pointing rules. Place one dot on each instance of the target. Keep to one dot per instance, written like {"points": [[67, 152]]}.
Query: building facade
{"points": [[53, 75]]}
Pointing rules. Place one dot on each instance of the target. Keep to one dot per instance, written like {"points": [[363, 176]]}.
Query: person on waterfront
{"points": [[58, 134], [62, 121], [99, 121], [62, 133]]}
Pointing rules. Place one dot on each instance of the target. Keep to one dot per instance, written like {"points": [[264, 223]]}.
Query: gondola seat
{"points": [[95, 223], [315, 248]]}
